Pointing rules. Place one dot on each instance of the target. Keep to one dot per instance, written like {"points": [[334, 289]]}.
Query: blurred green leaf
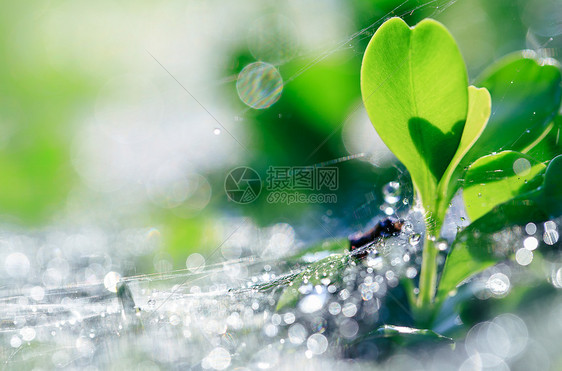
{"points": [[407, 335], [34, 181], [323, 94], [497, 178], [525, 98], [414, 87], [336, 246], [183, 237], [38, 107]]}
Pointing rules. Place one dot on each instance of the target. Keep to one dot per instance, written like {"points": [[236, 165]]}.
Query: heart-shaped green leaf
{"points": [[414, 87], [526, 97], [495, 179]]}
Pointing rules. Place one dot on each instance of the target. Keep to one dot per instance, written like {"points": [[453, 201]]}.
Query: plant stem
{"points": [[428, 274]]}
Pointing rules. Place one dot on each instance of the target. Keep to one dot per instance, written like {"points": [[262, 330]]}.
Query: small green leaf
{"points": [[407, 335], [414, 87], [495, 179], [549, 197], [330, 267], [549, 145], [525, 99], [464, 261], [476, 248], [479, 108], [553, 180]]}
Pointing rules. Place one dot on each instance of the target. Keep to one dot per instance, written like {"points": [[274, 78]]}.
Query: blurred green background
{"points": [[127, 114]]}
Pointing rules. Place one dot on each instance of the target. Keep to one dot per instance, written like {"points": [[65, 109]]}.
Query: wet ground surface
{"points": [[326, 309]]}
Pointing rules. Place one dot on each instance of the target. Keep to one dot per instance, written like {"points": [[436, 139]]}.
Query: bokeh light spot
{"points": [[259, 85], [521, 167], [110, 281]]}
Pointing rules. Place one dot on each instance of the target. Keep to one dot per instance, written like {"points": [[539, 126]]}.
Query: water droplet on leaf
{"points": [[414, 239], [391, 192]]}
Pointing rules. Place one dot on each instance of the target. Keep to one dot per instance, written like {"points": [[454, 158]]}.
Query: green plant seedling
{"points": [[499, 144], [449, 136]]}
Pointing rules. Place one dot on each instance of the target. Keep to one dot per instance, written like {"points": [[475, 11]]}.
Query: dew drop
{"points": [[217, 131], [195, 262], [521, 167], [498, 284], [110, 281], [15, 341], [550, 225], [530, 228], [349, 309], [270, 330], [17, 265], [297, 334], [442, 246], [524, 256], [391, 192], [550, 236], [414, 239], [334, 308], [27, 333], [349, 328], [389, 210], [289, 318], [408, 227], [411, 272], [219, 358], [317, 343], [37, 293], [531, 243], [312, 303]]}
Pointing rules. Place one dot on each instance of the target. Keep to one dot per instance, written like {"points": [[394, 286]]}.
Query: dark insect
{"points": [[385, 228]]}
